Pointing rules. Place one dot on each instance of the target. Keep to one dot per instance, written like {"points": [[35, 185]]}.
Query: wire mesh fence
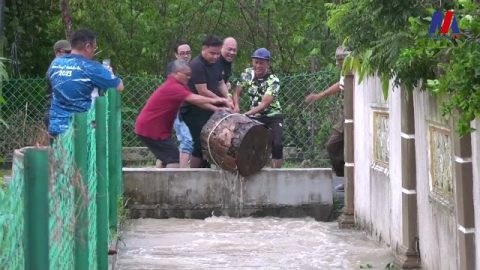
{"points": [[306, 127], [75, 205], [62, 206]]}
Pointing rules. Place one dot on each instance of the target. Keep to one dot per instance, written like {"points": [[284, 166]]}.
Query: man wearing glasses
{"points": [[74, 77], [184, 53]]}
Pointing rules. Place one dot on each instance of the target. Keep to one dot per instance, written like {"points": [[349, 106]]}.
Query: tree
{"points": [[139, 36], [393, 42]]}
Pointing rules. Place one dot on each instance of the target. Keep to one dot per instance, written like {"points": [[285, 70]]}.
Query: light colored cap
{"points": [[62, 45]]}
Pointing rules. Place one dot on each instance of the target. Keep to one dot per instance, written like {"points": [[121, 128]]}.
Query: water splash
{"points": [[246, 243]]}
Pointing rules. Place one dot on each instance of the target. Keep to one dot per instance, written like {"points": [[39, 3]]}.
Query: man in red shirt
{"points": [[155, 122]]}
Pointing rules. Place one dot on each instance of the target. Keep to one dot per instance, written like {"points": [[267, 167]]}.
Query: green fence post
{"points": [[36, 209], [102, 184], [81, 194], [115, 156]]}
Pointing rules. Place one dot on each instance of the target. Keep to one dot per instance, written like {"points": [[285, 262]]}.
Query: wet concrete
{"points": [[246, 243], [197, 193]]}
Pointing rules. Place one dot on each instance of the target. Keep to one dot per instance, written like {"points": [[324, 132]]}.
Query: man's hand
{"points": [[221, 101], [236, 109], [227, 102], [230, 103]]}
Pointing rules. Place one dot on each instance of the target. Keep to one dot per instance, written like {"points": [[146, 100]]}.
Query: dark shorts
{"points": [[335, 145], [195, 118], [275, 124], [164, 150]]}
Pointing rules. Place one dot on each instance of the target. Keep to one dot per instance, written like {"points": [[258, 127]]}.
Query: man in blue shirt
{"points": [[74, 77]]}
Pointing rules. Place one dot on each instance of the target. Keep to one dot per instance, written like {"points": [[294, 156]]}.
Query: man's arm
{"points": [[271, 92], [222, 86], [104, 78], [120, 86], [203, 91], [333, 89], [206, 102], [236, 98], [266, 100]]}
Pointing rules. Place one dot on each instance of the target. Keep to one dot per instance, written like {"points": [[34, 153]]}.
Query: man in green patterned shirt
{"points": [[263, 88]]}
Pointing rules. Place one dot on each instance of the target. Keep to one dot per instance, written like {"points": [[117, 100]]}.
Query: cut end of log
{"points": [[254, 151], [236, 143]]}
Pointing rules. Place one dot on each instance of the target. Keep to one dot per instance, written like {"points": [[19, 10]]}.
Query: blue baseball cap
{"points": [[261, 53]]}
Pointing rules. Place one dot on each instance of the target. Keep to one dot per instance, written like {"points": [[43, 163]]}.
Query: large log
{"points": [[236, 143]]}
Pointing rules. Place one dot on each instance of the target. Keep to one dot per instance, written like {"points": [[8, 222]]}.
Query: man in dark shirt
{"points": [[207, 81], [228, 53]]}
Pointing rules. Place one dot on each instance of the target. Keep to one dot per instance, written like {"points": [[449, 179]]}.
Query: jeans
{"points": [[183, 136]]}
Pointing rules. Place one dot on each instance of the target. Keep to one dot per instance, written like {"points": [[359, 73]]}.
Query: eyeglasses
{"points": [[184, 53], [65, 51]]}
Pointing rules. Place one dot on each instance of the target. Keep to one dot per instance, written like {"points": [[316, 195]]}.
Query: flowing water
{"points": [[246, 243]]}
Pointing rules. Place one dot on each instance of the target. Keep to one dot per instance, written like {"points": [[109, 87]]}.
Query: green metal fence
{"points": [[306, 128], [56, 211]]}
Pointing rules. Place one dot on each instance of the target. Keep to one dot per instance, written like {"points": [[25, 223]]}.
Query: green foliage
{"points": [[139, 36], [30, 35], [462, 82], [393, 42]]}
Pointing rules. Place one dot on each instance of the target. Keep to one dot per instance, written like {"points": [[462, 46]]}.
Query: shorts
{"points": [[275, 124], [183, 136], [196, 118], [335, 150], [164, 150]]}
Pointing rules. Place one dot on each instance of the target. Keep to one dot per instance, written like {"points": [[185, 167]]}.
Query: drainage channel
{"points": [[246, 243]]}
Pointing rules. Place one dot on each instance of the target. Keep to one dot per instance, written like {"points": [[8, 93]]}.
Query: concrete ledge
{"points": [[199, 193], [136, 156]]}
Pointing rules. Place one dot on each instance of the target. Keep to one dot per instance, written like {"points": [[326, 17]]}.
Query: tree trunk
{"points": [[236, 143], [66, 18]]}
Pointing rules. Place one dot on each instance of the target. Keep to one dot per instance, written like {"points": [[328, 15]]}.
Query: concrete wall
{"points": [[140, 156], [377, 186], [436, 217], [199, 193], [476, 183]]}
